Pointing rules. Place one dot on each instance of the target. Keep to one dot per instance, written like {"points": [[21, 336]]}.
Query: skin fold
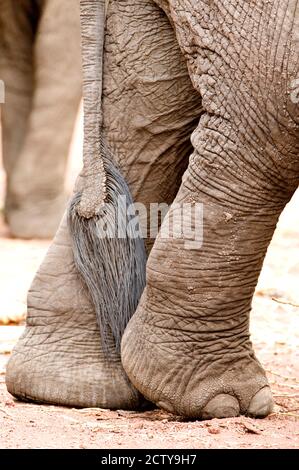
{"points": [[218, 73], [40, 64]]}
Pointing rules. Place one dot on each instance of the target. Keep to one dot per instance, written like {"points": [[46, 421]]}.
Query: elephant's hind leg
{"points": [[187, 348], [150, 110], [59, 357]]}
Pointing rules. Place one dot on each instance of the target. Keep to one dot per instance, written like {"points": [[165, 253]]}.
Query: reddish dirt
{"points": [[275, 335], [26, 425]]}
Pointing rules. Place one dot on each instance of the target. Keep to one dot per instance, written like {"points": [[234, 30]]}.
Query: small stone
{"points": [[251, 429], [213, 430]]}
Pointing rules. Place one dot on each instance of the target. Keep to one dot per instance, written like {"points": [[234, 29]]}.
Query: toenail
{"points": [[261, 404], [165, 406], [221, 406]]}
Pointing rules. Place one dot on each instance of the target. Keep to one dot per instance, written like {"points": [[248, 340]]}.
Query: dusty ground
{"points": [[275, 334]]}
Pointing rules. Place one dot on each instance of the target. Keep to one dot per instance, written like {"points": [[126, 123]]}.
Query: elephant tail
{"points": [[107, 253]]}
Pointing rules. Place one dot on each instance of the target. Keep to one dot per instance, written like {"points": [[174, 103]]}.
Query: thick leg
{"points": [[150, 110], [187, 348], [59, 358], [17, 30], [36, 189]]}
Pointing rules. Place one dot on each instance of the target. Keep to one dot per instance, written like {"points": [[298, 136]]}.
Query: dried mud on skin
{"points": [[275, 334]]}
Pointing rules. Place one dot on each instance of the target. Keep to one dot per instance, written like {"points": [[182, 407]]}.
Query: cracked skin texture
{"points": [[219, 71], [150, 138]]}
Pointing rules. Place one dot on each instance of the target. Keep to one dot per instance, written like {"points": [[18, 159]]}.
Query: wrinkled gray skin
{"points": [[220, 71], [40, 63]]}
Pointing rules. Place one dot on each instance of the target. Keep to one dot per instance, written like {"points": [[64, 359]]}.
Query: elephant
{"points": [[40, 65], [195, 109]]}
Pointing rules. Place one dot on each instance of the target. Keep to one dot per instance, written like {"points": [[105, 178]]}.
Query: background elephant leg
{"points": [[37, 182], [187, 348], [18, 23], [150, 110]]}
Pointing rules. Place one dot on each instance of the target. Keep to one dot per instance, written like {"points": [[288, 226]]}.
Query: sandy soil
{"points": [[275, 335]]}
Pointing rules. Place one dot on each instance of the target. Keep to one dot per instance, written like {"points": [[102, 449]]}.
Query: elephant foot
{"points": [[193, 379], [35, 220], [59, 359], [46, 368]]}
